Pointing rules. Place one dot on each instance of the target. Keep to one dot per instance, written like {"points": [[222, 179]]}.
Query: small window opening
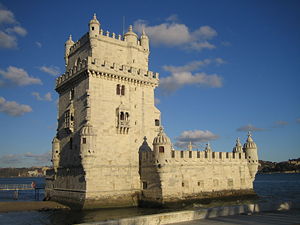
{"points": [[93, 28], [145, 185], [181, 154], [83, 140], [198, 183], [173, 154], [198, 154], [157, 122], [123, 90], [182, 184], [190, 154], [161, 149], [118, 91]]}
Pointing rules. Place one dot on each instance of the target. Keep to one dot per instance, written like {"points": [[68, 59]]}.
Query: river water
{"points": [[267, 186]]}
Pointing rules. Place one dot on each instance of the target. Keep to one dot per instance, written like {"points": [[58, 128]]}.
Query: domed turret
{"points": [[94, 26], [130, 36], [87, 145], [161, 138], [69, 43], [162, 145], [250, 150], [144, 41], [55, 153], [238, 146]]}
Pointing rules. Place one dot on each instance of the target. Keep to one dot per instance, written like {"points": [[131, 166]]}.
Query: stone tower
{"points": [[106, 107], [251, 155]]}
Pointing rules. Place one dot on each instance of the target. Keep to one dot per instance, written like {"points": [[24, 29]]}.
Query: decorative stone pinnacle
{"points": [[130, 28], [145, 138], [70, 37], [249, 133], [94, 17]]}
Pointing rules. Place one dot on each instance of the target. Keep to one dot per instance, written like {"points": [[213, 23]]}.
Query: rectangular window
{"points": [[145, 185], [123, 90], [83, 140], [190, 154], [67, 118], [173, 154], [161, 149], [181, 154], [157, 122], [198, 154], [182, 184]]}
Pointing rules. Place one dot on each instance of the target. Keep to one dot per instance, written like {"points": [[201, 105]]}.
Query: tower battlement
{"points": [[102, 68]]}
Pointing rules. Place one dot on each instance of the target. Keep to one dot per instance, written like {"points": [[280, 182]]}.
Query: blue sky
{"points": [[225, 67]]}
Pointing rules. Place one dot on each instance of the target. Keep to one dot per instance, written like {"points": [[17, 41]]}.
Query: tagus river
{"points": [[267, 186]]}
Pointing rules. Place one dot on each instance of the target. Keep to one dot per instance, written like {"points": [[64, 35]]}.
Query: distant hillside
{"points": [[292, 165], [23, 172]]}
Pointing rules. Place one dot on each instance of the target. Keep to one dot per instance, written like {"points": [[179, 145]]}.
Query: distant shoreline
{"points": [[278, 172]]}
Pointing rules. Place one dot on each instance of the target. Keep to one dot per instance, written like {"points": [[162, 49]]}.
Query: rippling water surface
{"points": [[267, 186]]}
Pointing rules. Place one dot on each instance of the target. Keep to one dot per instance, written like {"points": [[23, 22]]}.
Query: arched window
{"points": [[123, 90], [127, 116], [118, 89], [122, 116]]}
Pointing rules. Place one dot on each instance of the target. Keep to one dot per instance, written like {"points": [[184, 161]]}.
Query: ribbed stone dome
{"points": [[161, 138], [94, 20], [70, 41], [88, 130], [249, 143]]}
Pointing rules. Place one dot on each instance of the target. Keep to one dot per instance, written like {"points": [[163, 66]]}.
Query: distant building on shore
{"points": [[111, 150]]}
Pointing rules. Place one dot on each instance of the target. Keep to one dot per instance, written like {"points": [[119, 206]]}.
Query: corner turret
{"points": [[250, 150], [238, 147], [130, 36], [87, 145], [94, 26], [55, 153], [144, 41], [162, 146], [69, 43]]}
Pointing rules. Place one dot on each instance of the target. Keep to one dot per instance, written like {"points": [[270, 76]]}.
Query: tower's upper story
{"points": [[101, 50]]}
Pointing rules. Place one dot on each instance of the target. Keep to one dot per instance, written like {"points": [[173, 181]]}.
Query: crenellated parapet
{"points": [[102, 68], [187, 157]]}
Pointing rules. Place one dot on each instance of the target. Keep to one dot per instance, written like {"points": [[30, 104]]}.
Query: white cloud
{"points": [[194, 136], [39, 44], [47, 96], [13, 108], [6, 16], [7, 41], [192, 66], [52, 70], [19, 76], [172, 33], [18, 30], [182, 75], [249, 127], [10, 28], [25, 159], [177, 80]]}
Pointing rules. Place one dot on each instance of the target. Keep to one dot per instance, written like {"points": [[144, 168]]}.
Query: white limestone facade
{"points": [[106, 108]]}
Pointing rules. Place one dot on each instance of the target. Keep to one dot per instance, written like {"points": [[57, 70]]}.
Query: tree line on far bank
{"points": [[292, 166]]}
